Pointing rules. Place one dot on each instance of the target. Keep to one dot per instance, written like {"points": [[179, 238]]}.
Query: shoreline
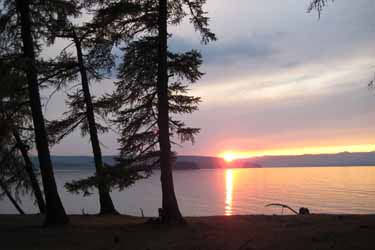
{"points": [[92, 232]]}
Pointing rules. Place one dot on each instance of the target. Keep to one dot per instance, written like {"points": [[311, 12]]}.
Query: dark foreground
{"points": [[217, 233]]}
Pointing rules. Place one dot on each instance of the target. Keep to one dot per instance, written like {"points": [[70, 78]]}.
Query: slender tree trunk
{"points": [[30, 171], [4, 186], [170, 213], [106, 203], [55, 212], [9, 195]]}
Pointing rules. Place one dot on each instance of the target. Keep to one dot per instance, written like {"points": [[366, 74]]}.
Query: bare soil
{"points": [[217, 233]]}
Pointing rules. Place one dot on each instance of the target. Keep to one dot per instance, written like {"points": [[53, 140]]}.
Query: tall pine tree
{"points": [[23, 23], [91, 65], [123, 19]]}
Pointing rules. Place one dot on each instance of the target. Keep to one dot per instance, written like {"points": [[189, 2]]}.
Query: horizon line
{"points": [[210, 156]]}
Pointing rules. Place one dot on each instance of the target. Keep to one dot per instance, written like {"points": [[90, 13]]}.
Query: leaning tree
{"points": [[11, 172], [15, 113], [23, 25], [90, 60]]}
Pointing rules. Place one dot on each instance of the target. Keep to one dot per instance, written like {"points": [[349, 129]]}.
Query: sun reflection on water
{"points": [[228, 191]]}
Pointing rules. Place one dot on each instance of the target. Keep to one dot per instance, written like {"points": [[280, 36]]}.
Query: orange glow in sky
{"points": [[231, 155]]}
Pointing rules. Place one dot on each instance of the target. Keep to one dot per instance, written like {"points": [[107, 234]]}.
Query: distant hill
{"points": [[340, 159], [75, 161], [82, 162], [206, 162]]}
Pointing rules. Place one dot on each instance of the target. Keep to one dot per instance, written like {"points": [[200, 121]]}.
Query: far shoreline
{"points": [[183, 162]]}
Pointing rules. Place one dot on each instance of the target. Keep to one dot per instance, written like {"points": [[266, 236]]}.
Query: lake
{"points": [[235, 191]]}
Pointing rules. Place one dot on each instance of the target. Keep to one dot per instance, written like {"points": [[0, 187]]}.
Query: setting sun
{"points": [[228, 157]]}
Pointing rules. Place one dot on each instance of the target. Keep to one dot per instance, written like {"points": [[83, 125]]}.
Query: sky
{"points": [[278, 81]]}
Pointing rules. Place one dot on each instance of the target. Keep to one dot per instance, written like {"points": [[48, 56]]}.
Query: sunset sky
{"points": [[278, 81]]}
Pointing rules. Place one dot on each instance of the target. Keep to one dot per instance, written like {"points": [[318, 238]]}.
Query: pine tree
{"points": [[5, 184], [123, 19], [14, 111], [10, 177], [94, 64], [23, 23], [137, 93]]}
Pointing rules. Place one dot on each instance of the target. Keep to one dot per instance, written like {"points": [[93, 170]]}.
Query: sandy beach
{"points": [[217, 232]]}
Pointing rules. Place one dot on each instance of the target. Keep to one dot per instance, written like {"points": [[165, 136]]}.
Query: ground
{"points": [[217, 233]]}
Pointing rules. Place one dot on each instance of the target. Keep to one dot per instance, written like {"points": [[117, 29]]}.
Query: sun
{"points": [[228, 157]]}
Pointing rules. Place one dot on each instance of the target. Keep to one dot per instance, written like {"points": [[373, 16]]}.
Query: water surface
{"points": [[235, 191]]}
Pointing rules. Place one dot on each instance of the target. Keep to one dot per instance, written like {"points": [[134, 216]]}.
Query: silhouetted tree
{"points": [[318, 5], [171, 213], [93, 65], [16, 169], [14, 179], [10, 197], [152, 17], [28, 165], [15, 111], [134, 102], [22, 24], [7, 174]]}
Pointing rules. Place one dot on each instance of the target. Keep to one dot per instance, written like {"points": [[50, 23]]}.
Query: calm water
{"points": [[236, 191]]}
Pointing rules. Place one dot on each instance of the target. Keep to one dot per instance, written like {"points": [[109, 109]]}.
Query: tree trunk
{"points": [[4, 186], [170, 213], [55, 212], [106, 203], [30, 171], [9, 195]]}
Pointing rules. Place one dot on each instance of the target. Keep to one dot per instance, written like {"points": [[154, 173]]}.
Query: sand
{"points": [[219, 233]]}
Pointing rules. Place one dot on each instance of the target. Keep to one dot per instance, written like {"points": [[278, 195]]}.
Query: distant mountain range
{"points": [[206, 162], [340, 159]]}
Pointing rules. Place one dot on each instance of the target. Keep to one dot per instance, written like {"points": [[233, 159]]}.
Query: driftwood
{"points": [[302, 210]]}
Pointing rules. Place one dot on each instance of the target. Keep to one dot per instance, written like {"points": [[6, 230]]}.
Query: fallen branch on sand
{"points": [[302, 210]]}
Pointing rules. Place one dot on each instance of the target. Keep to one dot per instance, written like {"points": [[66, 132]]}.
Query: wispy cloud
{"points": [[278, 78]]}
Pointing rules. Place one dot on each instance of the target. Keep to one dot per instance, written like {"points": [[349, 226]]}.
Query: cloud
{"points": [[336, 118], [226, 52], [276, 78]]}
